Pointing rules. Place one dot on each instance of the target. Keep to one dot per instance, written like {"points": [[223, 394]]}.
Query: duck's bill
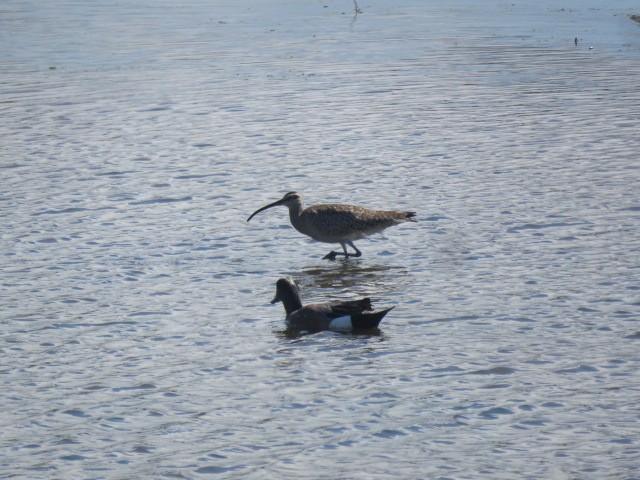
{"points": [[275, 300], [274, 204]]}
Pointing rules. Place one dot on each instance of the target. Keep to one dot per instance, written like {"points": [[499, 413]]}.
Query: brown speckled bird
{"points": [[335, 223]]}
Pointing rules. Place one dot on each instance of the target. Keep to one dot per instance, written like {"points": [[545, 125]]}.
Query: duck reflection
{"points": [[295, 336]]}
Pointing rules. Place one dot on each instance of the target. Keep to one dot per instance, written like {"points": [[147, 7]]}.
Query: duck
{"points": [[337, 223], [342, 316]]}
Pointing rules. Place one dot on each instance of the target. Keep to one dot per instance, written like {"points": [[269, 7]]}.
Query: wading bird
{"points": [[335, 223], [339, 316]]}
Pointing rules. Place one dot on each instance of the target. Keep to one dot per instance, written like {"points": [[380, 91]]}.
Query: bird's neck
{"points": [[295, 210], [291, 302]]}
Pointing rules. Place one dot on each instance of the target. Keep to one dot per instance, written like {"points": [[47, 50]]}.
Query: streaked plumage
{"points": [[340, 316], [335, 223]]}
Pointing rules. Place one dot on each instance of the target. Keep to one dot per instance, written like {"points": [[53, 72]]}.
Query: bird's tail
{"points": [[363, 321]]}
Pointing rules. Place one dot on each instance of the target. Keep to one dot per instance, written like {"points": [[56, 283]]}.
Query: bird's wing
{"points": [[349, 307], [346, 221]]}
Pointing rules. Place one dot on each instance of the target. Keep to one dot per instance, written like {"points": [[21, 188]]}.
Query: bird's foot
{"points": [[330, 256]]}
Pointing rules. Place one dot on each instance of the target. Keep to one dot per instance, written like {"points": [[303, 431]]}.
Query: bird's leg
{"points": [[358, 252], [332, 254]]}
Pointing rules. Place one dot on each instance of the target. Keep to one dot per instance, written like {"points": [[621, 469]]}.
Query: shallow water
{"points": [[137, 336]]}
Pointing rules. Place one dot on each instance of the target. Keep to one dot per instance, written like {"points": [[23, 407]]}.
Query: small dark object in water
{"points": [[575, 40]]}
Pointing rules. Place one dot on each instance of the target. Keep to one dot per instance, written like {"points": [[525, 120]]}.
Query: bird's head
{"points": [[288, 293], [289, 200]]}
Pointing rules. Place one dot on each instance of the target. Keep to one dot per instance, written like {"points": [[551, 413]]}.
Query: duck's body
{"points": [[339, 316], [336, 223]]}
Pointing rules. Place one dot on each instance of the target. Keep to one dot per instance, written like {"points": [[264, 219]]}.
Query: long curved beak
{"points": [[274, 204]]}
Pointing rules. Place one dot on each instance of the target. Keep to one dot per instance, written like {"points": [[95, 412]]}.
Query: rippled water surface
{"points": [[137, 336]]}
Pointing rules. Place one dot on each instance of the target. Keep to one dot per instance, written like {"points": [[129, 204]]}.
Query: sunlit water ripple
{"points": [[137, 337]]}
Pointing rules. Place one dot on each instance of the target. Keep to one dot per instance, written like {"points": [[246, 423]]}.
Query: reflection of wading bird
{"points": [[341, 316], [337, 223]]}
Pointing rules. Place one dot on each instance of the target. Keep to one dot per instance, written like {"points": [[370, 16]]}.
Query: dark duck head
{"points": [[288, 293]]}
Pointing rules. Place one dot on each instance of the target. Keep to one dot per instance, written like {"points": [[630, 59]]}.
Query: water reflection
{"points": [[346, 274], [296, 335]]}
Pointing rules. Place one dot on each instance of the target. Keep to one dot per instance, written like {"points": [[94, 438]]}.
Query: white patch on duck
{"points": [[341, 323]]}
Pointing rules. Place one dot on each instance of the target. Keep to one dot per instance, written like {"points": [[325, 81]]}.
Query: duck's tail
{"points": [[364, 321]]}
